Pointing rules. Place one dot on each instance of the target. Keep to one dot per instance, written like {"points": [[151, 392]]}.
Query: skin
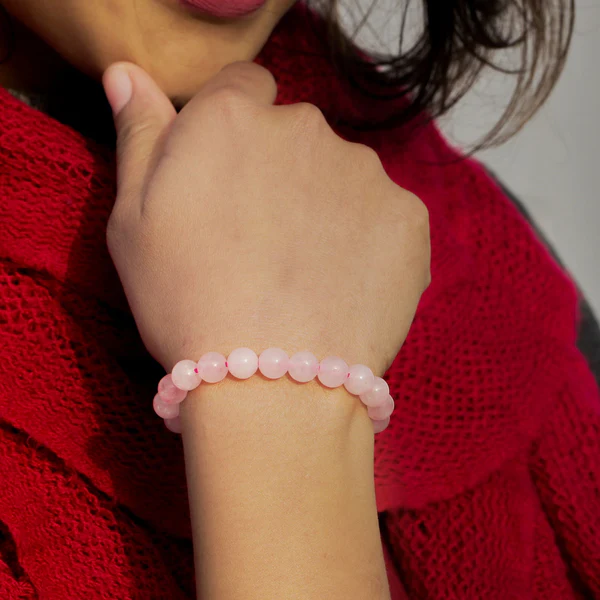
{"points": [[178, 48], [319, 248]]}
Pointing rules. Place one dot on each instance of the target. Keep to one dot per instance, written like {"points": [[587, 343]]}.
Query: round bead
{"points": [[168, 392], [378, 413], [242, 363], [273, 363], [185, 376], [360, 379], [333, 372], [303, 367], [166, 411], [377, 395], [379, 426], [173, 425], [212, 367]]}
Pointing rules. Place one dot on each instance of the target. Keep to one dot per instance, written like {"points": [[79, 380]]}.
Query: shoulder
{"points": [[485, 358]]}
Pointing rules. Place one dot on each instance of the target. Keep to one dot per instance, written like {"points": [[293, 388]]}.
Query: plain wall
{"points": [[553, 165]]}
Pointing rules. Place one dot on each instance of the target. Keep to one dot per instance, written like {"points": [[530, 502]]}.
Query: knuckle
{"points": [[412, 216], [418, 222], [131, 130], [239, 69], [420, 213], [309, 119], [427, 278], [248, 72], [228, 101], [367, 157], [414, 212]]}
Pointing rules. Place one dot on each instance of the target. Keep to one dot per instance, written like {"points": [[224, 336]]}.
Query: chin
{"points": [[183, 88], [180, 84]]}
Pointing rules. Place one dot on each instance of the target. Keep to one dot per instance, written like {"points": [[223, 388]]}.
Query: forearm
{"points": [[280, 479]]}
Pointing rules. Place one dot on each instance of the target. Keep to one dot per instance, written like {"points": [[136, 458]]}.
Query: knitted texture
{"points": [[487, 479]]}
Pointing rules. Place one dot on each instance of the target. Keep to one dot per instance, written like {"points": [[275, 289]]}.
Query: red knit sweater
{"points": [[487, 479]]}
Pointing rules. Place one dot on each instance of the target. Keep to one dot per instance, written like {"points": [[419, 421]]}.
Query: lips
{"points": [[224, 9]]}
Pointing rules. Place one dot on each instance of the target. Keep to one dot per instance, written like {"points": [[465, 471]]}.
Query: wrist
{"points": [[257, 406], [280, 477], [353, 346], [273, 364]]}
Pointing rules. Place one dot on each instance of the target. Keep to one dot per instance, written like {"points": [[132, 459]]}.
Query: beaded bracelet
{"points": [[273, 363]]}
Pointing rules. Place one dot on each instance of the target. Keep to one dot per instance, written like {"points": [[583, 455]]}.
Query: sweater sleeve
{"points": [[13, 589], [14, 583], [566, 471]]}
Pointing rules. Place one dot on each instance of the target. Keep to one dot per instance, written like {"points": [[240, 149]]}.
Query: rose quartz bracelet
{"points": [[273, 363]]}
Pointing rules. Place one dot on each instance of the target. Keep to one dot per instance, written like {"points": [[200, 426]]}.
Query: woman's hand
{"points": [[240, 223]]}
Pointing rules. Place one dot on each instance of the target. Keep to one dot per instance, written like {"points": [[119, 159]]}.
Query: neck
{"points": [[31, 67], [27, 63]]}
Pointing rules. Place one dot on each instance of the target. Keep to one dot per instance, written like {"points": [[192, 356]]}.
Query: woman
{"points": [[242, 223]]}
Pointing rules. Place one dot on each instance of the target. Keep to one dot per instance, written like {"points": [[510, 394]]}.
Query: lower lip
{"points": [[224, 9]]}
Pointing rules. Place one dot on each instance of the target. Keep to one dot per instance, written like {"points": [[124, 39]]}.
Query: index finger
{"points": [[248, 78]]}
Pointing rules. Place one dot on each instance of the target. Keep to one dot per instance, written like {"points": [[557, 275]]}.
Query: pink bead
{"points": [[379, 426], [212, 367], [303, 367], [166, 411], [168, 393], [273, 363], [185, 376], [333, 372], [242, 363], [378, 413], [360, 379], [173, 425], [377, 395]]}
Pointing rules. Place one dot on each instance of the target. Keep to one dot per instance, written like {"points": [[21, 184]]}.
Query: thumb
{"points": [[142, 115]]}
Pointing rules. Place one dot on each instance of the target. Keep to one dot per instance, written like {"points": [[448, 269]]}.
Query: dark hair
{"points": [[7, 36], [458, 40]]}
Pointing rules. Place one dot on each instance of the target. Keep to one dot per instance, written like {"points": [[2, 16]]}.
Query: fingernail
{"points": [[118, 88]]}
